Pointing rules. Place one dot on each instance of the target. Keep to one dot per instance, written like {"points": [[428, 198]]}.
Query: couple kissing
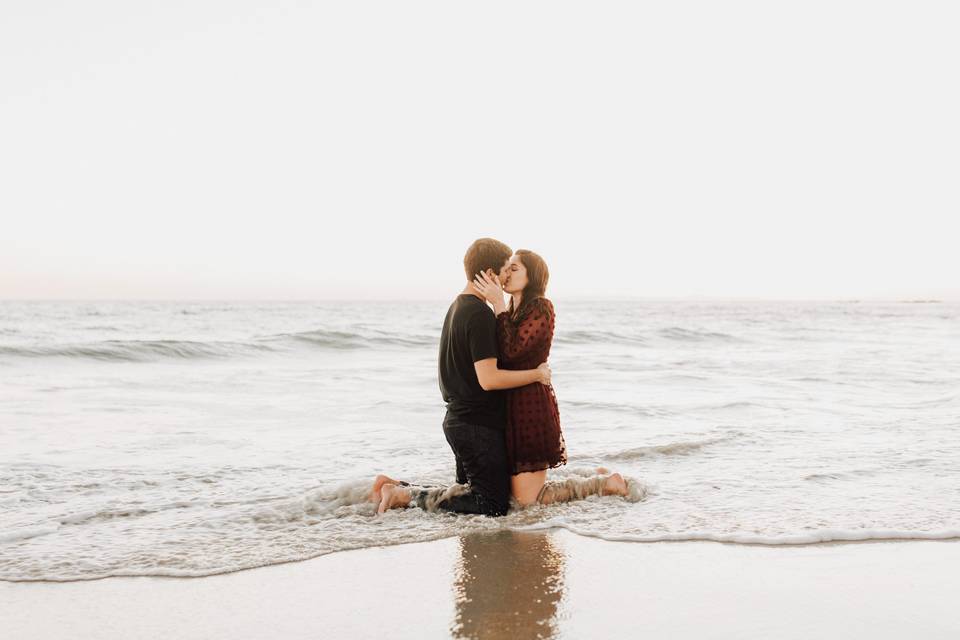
{"points": [[502, 421]]}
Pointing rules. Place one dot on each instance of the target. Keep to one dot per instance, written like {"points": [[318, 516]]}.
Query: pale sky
{"points": [[310, 150]]}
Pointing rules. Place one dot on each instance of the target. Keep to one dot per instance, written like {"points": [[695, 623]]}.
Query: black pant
{"points": [[481, 454]]}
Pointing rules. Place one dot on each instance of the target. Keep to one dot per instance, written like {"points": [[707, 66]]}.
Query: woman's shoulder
{"points": [[539, 309], [545, 306]]}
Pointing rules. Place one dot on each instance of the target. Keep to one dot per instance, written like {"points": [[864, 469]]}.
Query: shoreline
{"points": [[946, 535], [523, 584]]}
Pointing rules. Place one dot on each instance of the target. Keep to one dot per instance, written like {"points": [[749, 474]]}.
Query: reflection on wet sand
{"points": [[508, 585]]}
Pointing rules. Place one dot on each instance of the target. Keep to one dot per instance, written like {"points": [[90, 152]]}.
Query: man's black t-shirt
{"points": [[469, 335]]}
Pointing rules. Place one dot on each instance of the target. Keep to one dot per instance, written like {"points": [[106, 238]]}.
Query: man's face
{"points": [[504, 274]]}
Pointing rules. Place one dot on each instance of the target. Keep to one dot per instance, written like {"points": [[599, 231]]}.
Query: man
{"points": [[470, 383]]}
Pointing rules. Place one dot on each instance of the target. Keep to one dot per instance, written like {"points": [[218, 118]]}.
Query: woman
{"points": [[534, 439]]}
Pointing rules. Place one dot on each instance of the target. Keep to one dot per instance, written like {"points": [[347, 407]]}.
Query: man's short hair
{"points": [[483, 254]]}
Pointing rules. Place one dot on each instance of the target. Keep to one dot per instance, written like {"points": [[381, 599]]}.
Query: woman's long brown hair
{"points": [[537, 277]]}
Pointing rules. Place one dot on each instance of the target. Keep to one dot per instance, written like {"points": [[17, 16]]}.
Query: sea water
{"points": [[189, 439]]}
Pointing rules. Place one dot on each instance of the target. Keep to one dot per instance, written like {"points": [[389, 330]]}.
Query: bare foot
{"points": [[379, 481], [615, 485], [602, 470], [392, 497]]}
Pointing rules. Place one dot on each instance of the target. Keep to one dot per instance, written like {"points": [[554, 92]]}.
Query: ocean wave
{"points": [[728, 406], [682, 447], [27, 533], [485, 526], [151, 350], [806, 538], [855, 474], [337, 339], [99, 515], [679, 334], [694, 335], [291, 528], [597, 337], [617, 407], [137, 350], [300, 525]]}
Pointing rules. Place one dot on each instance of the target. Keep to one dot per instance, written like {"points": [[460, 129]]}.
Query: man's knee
{"points": [[495, 504], [495, 510]]}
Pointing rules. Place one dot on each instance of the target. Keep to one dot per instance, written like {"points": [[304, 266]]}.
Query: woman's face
{"points": [[516, 276]]}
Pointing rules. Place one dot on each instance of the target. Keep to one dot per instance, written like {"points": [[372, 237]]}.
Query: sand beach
{"points": [[524, 585]]}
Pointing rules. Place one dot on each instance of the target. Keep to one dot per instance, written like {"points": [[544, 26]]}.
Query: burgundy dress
{"points": [[534, 439]]}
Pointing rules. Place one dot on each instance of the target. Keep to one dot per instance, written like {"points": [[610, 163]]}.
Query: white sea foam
{"points": [[25, 533], [813, 537]]}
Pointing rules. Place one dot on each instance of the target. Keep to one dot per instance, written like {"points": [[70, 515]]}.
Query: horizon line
{"points": [[612, 298]]}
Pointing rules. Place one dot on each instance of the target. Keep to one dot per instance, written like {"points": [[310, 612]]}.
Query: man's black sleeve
{"points": [[482, 336]]}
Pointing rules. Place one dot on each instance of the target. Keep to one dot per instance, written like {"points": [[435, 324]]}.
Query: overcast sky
{"points": [[279, 150]]}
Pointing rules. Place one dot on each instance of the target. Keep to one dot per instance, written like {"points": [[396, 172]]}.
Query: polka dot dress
{"points": [[534, 439]]}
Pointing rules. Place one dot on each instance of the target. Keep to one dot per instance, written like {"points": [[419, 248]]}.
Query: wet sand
{"points": [[524, 585]]}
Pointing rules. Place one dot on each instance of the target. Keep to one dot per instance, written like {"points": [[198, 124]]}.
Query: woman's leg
{"points": [[525, 487], [532, 487], [579, 488]]}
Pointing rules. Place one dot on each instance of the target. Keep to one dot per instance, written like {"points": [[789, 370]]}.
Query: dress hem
{"points": [[538, 467]]}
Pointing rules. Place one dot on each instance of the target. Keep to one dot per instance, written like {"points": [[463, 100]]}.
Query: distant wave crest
{"points": [[136, 350], [677, 334], [150, 350], [682, 447], [354, 339], [694, 335], [598, 337]]}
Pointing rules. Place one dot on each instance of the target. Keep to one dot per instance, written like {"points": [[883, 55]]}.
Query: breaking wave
{"points": [[151, 350], [806, 538], [682, 447], [137, 350]]}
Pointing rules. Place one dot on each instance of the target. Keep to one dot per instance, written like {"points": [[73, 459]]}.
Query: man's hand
{"points": [[544, 370], [491, 290]]}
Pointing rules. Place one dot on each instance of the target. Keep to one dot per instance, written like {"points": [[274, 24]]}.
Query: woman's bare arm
{"points": [[491, 378]]}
